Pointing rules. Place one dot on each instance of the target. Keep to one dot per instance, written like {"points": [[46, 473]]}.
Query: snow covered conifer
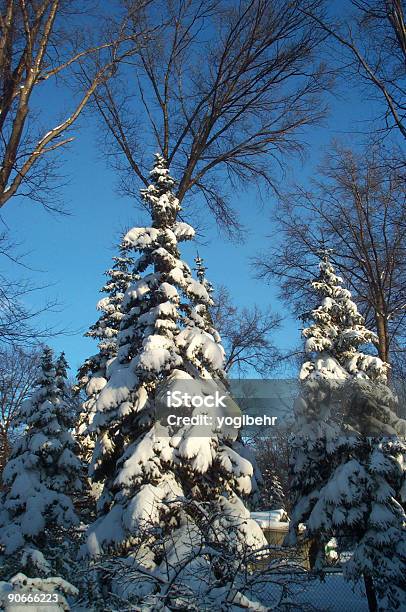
{"points": [[92, 374], [119, 276], [332, 344], [200, 313], [105, 330], [337, 332], [272, 496], [61, 368], [67, 392], [348, 483], [329, 344], [147, 468], [43, 469]]}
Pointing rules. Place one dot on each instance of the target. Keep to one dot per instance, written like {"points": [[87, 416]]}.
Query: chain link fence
{"points": [[307, 592]]}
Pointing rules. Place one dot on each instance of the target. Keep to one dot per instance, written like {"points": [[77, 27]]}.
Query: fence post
{"points": [[371, 595]]}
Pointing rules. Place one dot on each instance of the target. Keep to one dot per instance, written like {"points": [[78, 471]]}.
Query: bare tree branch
{"points": [[34, 38], [225, 88], [358, 210], [18, 371], [246, 335], [376, 40]]}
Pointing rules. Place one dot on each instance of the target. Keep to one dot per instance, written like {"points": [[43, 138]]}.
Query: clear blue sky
{"points": [[72, 252]]}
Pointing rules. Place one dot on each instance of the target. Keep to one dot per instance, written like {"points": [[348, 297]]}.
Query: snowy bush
{"points": [[207, 566], [43, 469]]}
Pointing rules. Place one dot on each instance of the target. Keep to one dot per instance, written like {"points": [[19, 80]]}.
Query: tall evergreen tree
{"points": [[337, 332], [67, 392], [92, 374], [200, 312], [105, 330], [43, 469], [61, 372], [347, 483], [272, 496], [147, 469], [201, 316]]}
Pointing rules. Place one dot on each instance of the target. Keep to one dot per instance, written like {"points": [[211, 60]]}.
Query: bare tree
{"points": [[357, 208], [222, 90], [18, 371], [39, 41], [399, 381], [19, 324], [246, 335], [375, 38]]}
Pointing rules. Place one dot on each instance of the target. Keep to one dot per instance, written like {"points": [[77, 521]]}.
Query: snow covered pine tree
{"points": [[61, 368], [92, 374], [202, 318], [272, 495], [42, 471], [349, 485], [164, 340]]}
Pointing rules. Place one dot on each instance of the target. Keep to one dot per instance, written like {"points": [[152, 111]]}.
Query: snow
{"points": [[136, 291], [145, 507], [163, 255], [143, 457], [35, 558], [271, 519], [201, 344], [95, 385], [197, 290], [114, 392], [169, 291], [20, 584], [141, 237], [124, 520], [165, 309], [196, 447], [176, 275], [104, 532], [324, 367], [234, 521], [183, 231], [157, 354]]}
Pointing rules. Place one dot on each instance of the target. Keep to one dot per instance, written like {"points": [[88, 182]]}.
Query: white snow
{"points": [[183, 231], [20, 584], [116, 391], [270, 518], [141, 237]]}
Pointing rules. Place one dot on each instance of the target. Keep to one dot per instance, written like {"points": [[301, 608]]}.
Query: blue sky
{"points": [[72, 252]]}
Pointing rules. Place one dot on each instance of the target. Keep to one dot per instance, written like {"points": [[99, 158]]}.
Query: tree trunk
{"points": [[314, 553], [4, 451], [371, 595], [383, 337]]}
